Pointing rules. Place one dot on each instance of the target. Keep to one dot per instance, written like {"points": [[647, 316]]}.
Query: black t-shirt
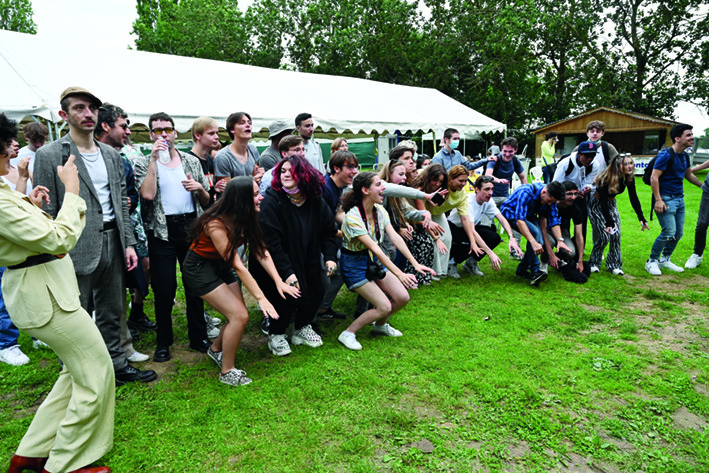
{"points": [[208, 170], [568, 214]]}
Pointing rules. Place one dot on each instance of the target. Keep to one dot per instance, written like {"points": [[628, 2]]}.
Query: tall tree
{"points": [[16, 15], [651, 41]]}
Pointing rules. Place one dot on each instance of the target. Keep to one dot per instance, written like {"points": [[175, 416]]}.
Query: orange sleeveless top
{"points": [[204, 246]]}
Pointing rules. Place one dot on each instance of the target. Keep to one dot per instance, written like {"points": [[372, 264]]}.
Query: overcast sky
{"points": [[109, 23]]}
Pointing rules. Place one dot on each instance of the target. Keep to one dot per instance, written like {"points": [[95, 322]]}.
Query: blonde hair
{"points": [[612, 175], [335, 146], [201, 124]]}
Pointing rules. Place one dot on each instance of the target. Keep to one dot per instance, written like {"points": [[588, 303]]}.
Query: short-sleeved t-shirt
{"points": [[226, 164], [504, 171], [671, 180], [269, 158], [353, 226], [454, 200], [475, 211]]}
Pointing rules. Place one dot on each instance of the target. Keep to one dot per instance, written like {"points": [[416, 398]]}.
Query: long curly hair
{"points": [[236, 209], [308, 179]]}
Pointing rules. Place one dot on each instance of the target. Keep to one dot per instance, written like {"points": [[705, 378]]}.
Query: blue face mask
{"points": [[454, 144]]}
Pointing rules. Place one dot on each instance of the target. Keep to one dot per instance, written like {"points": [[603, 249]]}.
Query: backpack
{"points": [[498, 163], [647, 174]]}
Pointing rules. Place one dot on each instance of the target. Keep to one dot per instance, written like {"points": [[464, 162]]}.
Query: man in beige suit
{"points": [[74, 426]]}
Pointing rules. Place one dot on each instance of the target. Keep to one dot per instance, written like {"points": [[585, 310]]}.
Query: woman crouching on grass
{"points": [[213, 268], [361, 259]]}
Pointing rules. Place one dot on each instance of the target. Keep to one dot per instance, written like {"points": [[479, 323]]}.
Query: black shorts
{"points": [[203, 275]]}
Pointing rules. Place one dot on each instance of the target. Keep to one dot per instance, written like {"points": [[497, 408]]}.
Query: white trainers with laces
{"points": [[349, 340], [13, 356], [234, 377], [595, 269], [472, 267], [216, 356], [694, 261], [386, 329], [544, 267], [278, 345], [40, 345], [216, 321], [653, 268], [138, 357], [306, 336], [667, 264], [212, 331], [618, 272]]}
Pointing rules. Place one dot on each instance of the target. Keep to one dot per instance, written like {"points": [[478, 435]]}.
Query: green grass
{"points": [[611, 375]]}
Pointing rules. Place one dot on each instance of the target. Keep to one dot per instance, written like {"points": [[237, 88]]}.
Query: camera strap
{"points": [[377, 232]]}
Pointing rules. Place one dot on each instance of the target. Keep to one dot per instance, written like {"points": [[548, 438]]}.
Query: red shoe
{"points": [[19, 464]]}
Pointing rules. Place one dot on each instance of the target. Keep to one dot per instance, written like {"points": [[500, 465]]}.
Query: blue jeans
{"points": [[8, 332], [672, 225], [530, 260]]}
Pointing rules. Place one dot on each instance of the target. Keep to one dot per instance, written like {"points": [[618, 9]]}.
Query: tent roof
{"points": [[36, 69]]}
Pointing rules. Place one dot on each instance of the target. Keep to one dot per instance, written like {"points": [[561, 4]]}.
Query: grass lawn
{"points": [[610, 376]]}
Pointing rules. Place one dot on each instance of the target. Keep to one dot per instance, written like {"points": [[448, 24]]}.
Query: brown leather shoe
{"points": [[95, 469], [19, 464]]}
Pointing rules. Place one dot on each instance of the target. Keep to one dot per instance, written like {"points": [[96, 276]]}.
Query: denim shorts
{"points": [[353, 269]]}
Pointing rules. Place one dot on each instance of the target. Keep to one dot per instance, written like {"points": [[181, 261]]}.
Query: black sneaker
{"points": [[265, 323], [330, 314], [538, 277], [523, 274]]}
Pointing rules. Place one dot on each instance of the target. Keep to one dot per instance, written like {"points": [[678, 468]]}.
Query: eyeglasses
{"points": [[487, 179], [351, 167], [158, 131], [124, 126]]}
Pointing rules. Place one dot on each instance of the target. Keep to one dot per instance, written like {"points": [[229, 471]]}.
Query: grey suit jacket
{"points": [[87, 252]]}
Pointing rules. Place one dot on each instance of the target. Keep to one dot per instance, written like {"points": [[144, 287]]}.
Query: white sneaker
{"points": [[618, 272], [234, 377], [453, 271], [693, 261], [544, 267], [216, 321], [306, 336], [137, 357], [349, 340], [13, 356], [39, 345], [472, 267], [653, 268], [667, 264], [212, 331], [595, 269], [278, 345], [386, 329]]}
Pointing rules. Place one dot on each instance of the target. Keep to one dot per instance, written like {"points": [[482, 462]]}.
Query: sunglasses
{"points": [[158, 131]]}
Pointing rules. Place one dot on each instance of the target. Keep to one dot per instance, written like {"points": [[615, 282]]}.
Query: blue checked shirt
{"points": [[523, 201], [448, 160]]}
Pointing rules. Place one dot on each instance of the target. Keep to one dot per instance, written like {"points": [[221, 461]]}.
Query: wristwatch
{"points": [[560, 239]]}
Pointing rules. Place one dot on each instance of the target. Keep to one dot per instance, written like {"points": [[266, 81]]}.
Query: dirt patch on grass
{"points": [[688, 421]]}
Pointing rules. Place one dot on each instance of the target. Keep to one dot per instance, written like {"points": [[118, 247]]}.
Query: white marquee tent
{"points": [[35, 70]]}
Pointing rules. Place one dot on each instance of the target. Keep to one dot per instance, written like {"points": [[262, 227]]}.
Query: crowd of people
{"points": [[88, 217]]}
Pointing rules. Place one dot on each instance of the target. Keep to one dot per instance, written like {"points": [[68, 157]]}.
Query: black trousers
{"points": [[164, 256], [461, 243]]}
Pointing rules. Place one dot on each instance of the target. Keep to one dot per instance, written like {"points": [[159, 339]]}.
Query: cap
{"points": [[588, 147], [278, 127], [68, 92]]}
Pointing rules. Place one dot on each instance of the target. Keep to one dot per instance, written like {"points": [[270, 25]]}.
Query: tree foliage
{"points": [[16, 15], [522, 62]]}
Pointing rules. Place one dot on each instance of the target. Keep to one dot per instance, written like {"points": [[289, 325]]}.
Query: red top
{"points": [[204, 246]]}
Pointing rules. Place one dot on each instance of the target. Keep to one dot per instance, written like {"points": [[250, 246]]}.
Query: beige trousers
{"points": [[74, 425]]}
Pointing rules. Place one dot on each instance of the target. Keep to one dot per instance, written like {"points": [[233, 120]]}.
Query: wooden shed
{"points": [[640, 135]]}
